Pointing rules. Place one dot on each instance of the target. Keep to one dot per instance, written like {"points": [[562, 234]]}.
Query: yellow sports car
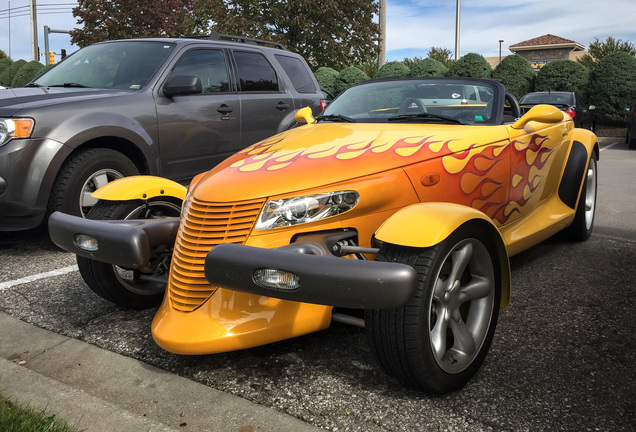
{"points": [[396, 209]]}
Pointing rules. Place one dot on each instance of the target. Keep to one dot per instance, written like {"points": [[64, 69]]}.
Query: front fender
{"points": [[140, 187], [427, 224]]}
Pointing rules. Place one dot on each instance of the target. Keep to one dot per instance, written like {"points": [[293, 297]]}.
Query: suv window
{"points": [[209, 65], [255, 72], [297, 73]]}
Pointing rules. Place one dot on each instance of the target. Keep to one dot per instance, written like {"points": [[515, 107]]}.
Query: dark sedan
{"points": [[570, 102]]}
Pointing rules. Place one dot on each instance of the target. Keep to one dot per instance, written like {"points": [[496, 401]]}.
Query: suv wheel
{"points": [[83, 174]]}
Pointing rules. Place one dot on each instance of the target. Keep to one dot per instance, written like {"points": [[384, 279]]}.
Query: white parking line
{"points": [[610, 146], [32, 278]]}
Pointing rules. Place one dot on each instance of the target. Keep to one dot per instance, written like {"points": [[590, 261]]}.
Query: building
{"points": [[547, 48]]}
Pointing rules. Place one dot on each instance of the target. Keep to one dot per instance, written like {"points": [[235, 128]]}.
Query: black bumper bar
{"points": [[324, 279], [126, 243]]}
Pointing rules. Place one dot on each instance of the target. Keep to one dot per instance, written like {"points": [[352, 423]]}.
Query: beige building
{"points": [[544, 49]]}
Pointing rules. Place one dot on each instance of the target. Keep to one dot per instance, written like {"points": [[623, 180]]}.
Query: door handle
{"points": [[224, 109], [282, 106]]}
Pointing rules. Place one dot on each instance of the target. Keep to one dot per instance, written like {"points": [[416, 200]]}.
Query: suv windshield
{"points": [[433, 100], [120, 65]]}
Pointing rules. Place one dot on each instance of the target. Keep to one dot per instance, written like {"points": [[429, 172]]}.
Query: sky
{"points": [[413, 26]]}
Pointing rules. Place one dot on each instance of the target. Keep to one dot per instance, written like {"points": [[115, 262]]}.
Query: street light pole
{"points": [[500, 41], [382, 51], [457, 30]]}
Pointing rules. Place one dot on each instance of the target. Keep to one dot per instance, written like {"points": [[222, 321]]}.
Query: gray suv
{"points": [[166, 107]]}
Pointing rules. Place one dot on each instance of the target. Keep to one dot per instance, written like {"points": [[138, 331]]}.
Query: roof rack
{"points": [[246, 40]]}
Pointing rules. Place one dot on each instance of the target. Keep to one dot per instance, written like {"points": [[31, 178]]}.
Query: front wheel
{"points": [[438, 341], [581, 227], [135, 289]]}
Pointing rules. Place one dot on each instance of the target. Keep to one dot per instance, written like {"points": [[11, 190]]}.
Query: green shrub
{"points": [[428, 68], [516, 74], [563, 75], [613, 87], [326, 78], [393, 68], [471, 65], [348, 77], [27, 73], [6, 77], [5, 63]]}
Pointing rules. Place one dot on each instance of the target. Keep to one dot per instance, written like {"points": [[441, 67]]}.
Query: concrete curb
{"points": [[97, 390]]}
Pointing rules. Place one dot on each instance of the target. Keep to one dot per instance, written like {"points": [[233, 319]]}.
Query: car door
{"points": [[265, 104], [198, 131]]}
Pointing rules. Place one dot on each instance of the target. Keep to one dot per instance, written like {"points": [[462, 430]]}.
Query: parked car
{"points": [[630, 138], [405, 211], [167, 107], [572, 103]]}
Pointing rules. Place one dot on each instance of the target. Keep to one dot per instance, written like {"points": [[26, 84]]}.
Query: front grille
{"points": [[205, 225]]}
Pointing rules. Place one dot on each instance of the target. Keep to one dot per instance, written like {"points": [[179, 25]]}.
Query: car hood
{"points": [[15, 100], [320, 154]]}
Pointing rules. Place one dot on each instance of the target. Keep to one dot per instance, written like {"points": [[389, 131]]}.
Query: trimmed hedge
{"points": [[326, 78], [563, 75], [348, 77], [428, 68], [613, 87], [471, 65], [394, 68], [27, 73], [516, 74]]}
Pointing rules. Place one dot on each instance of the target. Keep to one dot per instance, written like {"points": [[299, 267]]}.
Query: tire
{"points": [[134, 289], [581, 227], [84, 173], [414, 343], [630, 139]]}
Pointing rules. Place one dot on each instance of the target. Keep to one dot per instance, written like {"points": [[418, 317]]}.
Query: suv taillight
{"points": [[570, 112], [323, 104]]}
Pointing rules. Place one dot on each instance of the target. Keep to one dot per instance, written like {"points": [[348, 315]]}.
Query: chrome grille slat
{"points": [[204, 226]]}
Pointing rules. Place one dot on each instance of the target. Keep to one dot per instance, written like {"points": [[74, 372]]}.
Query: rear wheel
{"points": [[131, 288], [438, 341]]}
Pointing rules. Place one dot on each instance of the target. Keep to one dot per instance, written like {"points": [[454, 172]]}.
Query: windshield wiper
{"points": [[76, 85], [32, 84], [336, 118], [419, 116]]}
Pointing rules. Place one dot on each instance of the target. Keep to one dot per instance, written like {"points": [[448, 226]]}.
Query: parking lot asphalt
{"points": [[544, 374], [97, 390]]}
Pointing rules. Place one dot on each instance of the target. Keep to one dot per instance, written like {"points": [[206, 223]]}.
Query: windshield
{"points": [[428, 100], [120, 64]]}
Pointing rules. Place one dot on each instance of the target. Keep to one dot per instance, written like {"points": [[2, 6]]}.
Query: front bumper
{"points": [[126, 243], [324, 278]]}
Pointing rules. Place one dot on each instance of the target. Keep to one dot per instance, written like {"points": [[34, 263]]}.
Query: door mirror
{"points": [[181, 85], [541, 114]]}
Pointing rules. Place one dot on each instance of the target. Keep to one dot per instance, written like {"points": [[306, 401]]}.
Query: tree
{"points": [[348, 77], [3, 55], [6, 77], [394, 68], [428, 68], [442, 55], [471, 65], [516, 74], [563, 75], [123, 19], [326, 78], [335, 34], [613, 87], [599, 50], [27, 73]]}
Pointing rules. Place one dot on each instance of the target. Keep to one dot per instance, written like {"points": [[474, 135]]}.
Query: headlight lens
{"points": [[304, 209], [15, 128], [185, 202]]}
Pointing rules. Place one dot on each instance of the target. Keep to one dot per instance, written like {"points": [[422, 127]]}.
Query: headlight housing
{"points": [[15, 128], [185, 202], [305, 209]]}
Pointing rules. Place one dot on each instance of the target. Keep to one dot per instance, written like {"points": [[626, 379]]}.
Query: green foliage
{"points": [[6, 77], [428, 68], [563, 75], [613, 87], [27, 73], [599, 50], [326, 78], [348, 77], [442, 55], [410, 62], [516, 74], [471, 65], [3, 55], [393, 68], [4, 64], [15, 418]]}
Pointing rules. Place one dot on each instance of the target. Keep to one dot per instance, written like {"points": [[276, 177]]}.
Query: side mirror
{"points": [[304, 115], [541, 114], [181, 85]]}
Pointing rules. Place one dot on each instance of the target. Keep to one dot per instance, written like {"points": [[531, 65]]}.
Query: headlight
{"points": [[304, 209], [15, 128], [185, 202]]}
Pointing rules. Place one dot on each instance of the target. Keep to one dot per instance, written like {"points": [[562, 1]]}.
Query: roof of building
{"points": [[547, 41]]}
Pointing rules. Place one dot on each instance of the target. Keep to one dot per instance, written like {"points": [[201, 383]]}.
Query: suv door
{"points": [[196, 132], [264, 102]]}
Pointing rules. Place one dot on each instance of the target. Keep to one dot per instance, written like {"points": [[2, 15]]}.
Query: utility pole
{"points": [[382, 53], [34, 30], [457, 30]]}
